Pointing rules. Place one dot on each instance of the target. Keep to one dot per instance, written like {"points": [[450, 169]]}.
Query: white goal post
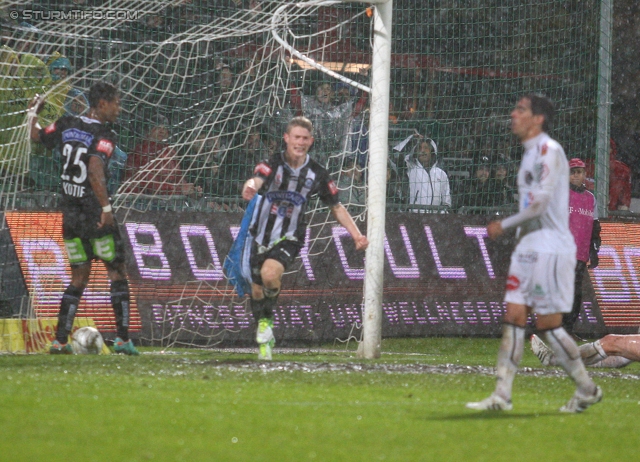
{"points": [[376, 201]]}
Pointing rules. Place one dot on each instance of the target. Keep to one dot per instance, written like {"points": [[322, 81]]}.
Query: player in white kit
{"points": [[541, 274]]}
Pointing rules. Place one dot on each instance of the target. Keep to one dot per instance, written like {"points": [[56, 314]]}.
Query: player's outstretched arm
{"points": [[344, 218], [33, 109], [251, 187]]}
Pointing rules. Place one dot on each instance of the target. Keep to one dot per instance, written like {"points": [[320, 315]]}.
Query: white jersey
{"points": [[543, 187]]}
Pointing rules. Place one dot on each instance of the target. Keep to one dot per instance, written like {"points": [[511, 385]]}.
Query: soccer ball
{"points": [[87, 341]]}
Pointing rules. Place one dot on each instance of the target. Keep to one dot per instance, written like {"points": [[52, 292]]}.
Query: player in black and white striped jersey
{"points": [[286, 183]]}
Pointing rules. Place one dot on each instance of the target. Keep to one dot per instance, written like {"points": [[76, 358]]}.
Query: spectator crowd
{"points": [[202, 137]]}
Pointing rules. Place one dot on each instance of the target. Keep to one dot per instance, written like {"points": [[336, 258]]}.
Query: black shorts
{"points": [[85, 242], [285, 252]]}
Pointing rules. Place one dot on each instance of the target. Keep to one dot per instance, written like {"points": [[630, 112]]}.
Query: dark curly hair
{"points": [[102, 90]]}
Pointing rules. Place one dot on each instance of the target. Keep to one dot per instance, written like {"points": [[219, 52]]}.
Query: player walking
{"points": [[89, 227], [541, 273], [286, 183]]}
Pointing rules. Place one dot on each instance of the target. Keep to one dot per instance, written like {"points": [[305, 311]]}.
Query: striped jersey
{"points": [[285, 197]]}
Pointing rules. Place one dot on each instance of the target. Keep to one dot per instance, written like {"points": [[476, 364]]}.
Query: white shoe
{"points": [[266, 340], [492, 403], [579, 403], [541, 350]]}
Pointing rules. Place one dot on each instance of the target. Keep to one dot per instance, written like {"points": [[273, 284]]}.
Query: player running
{"points": [[89, 226], [541, 273], [286, 183]]}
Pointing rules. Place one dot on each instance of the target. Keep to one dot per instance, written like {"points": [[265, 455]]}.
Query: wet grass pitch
{"points": [[307, 404]]}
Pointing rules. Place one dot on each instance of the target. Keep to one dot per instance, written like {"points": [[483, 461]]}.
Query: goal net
{"points": [[208, 87], [207, 91]]}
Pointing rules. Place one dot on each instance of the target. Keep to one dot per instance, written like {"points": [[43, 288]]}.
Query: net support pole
{"points": [[377, 182], [604, 108]]}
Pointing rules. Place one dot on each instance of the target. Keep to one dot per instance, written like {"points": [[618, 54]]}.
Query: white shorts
{"points": [[542, 281]]}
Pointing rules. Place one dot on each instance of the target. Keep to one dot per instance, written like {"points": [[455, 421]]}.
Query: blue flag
{"points": [[236, 266]]}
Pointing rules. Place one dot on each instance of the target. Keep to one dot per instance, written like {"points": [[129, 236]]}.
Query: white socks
{"points": [[509, 357], [592, 353], [568, 357]]}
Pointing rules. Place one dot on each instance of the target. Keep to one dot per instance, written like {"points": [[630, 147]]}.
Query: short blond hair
{"points": [[300, 122]]}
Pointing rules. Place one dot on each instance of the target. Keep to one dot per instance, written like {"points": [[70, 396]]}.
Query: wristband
{"points": [[107, 209]]}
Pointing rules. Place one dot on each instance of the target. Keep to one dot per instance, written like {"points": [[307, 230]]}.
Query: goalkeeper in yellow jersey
{"points": [[23, 75]]}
